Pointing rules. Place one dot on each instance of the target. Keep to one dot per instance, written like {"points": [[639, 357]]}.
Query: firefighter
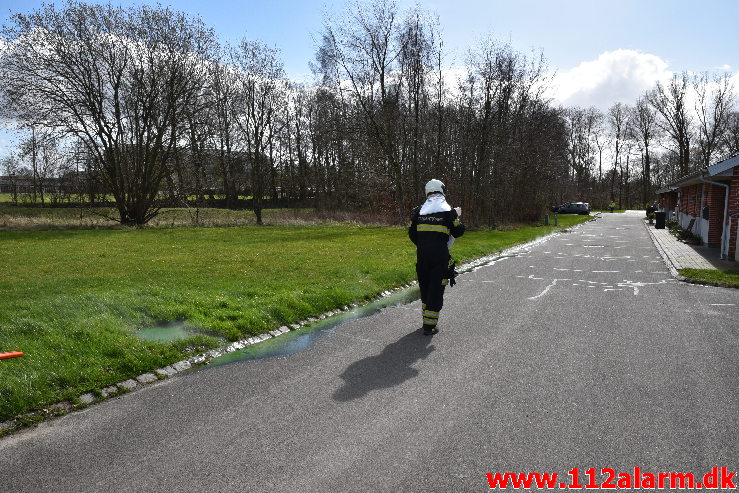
{"points": [[434, 226]]}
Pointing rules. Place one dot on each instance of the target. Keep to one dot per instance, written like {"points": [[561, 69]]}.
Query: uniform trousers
{"points": [[432, 280]]}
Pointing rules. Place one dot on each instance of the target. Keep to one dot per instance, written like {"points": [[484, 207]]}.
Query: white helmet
{"points": [[434, 186]]}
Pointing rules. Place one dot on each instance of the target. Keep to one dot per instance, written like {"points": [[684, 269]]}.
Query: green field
{"points": [[73, 299]]}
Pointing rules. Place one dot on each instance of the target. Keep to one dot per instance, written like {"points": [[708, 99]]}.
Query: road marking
{"points": [[636, 285], [547, 289], [722, 304], [606, 271]]}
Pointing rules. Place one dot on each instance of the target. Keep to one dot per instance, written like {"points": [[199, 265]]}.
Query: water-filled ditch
{"points": [[298, 340]]}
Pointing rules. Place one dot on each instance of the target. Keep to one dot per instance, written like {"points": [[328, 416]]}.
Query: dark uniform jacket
{"points": [[430, 233]]}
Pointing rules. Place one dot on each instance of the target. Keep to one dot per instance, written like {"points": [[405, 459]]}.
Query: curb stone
{"points": [[182, 366], [61, 406], [147, 378], [87, 398], [8, 425], [165, 372], [109, 391], [129, 384]]}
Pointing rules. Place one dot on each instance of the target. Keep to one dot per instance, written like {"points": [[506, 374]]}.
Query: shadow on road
{"points": [[387, 369]]}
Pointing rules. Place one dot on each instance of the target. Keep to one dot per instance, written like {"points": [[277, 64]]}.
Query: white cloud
{"points": [[620, 75]]}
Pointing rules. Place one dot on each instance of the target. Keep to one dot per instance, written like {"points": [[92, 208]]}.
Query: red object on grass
{"points": [[11, 354]]}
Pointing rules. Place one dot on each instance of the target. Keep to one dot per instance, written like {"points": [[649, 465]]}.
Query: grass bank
{"points": [[719, 277], [72, 300]]}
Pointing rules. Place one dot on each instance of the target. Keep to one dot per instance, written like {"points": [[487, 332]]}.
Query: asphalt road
{"points": [[581, 352]]}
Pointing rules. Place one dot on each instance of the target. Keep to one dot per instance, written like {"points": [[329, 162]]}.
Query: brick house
{"points": [[708, 198]]}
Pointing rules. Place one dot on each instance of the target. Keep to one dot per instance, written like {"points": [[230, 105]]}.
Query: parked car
{"points": [[572, 208]]}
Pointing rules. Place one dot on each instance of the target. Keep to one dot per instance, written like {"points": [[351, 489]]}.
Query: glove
{"points": [[451, 273]]}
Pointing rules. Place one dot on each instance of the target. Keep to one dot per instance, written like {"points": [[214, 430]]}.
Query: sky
{"points": [[601, 51]]}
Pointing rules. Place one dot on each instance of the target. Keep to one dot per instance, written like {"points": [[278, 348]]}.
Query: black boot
{"points": [[429, 330]]}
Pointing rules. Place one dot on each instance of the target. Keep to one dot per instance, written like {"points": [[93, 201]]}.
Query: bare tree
{"points": [[117, 79], [730, 139], [583, 126], [617, 119], [644, 126], [224, 108], [714, 100], [13, 170], [360, 50], [262, 90], [671, 104], [419, 50], [160, 111]]}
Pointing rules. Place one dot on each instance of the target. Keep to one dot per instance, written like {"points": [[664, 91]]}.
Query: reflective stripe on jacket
{"points": [[430, 232]]}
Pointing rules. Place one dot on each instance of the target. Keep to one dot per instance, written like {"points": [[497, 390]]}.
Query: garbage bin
{"points": [[659, 219]]}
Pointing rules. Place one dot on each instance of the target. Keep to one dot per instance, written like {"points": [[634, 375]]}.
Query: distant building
{"points": [[19, 184]]}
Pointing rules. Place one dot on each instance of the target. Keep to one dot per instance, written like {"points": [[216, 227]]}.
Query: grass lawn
{"points": [[728, 277], [73, 299]]}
